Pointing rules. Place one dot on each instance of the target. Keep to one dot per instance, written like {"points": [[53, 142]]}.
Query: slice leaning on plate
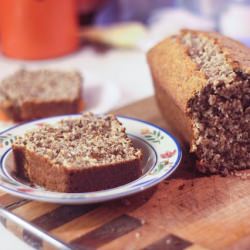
{"points": [[83, 154]]}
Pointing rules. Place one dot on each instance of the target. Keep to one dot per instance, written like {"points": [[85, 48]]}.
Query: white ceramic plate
{"points": [[162, 155]]}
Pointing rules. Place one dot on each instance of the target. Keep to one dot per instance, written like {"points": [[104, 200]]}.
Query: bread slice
{"points": [[78, 155], [203, 78], [27, 95]]}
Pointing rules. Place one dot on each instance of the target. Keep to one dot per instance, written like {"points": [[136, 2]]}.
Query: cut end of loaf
{"points": [[220, 111]]}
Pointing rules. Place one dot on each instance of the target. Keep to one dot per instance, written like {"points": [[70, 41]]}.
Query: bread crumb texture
{"points": [[81, 142], [221, 110], [40, 86]]}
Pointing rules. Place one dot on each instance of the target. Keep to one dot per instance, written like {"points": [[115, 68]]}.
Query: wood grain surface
{"points": [[187, 211]]}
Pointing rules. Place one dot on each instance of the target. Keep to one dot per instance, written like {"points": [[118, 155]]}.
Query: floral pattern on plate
{"points": [[162, 155]]}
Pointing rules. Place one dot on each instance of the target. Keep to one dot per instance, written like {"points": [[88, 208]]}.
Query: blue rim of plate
{"points": [[155, 174]]}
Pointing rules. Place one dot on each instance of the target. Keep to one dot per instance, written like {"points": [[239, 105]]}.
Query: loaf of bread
{"points": [[202, 84], [27, 95], [83, 154]]}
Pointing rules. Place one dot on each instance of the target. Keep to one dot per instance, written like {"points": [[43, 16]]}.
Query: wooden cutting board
{"points": [[187, 211]]}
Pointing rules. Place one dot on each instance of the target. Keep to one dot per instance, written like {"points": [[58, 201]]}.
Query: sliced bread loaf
{"points": [[203, 78], [27, 95], [78, 155]]}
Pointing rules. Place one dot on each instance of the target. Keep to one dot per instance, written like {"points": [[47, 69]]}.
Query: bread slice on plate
{"points": [[202, 83], [82, 154], [27, 95]]}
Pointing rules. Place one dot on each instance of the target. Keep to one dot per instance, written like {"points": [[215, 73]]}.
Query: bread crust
{"points": [[176, 73], [34, 110], [41, 171], [237, 55], [180, 124], [30, 108], [177, 78]]}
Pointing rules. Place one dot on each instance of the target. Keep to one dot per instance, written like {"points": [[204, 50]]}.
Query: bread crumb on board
{"points": [[242, 175]]}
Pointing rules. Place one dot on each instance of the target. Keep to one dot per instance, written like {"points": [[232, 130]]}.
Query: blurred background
{"points": [[106, 40]]}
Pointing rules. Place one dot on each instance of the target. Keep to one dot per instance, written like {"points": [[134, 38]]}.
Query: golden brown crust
{"points": [[175, 72], [50, 93], [41, 171], [176, 77], [180, 124]]}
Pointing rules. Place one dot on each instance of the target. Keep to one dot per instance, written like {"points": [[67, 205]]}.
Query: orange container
{"points": [[38, 29]]}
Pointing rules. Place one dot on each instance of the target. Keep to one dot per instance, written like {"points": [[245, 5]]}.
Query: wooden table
{"points": [[187, 211]]}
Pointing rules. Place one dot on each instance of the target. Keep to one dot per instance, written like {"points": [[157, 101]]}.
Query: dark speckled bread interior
{"points": [[207, 77], [82, 154]]}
